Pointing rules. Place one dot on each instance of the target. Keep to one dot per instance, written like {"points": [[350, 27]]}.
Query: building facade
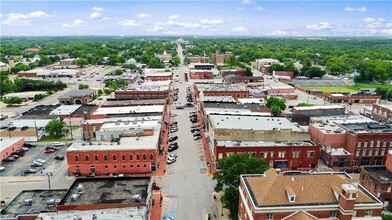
{"points": [[141, 94], [10, 145], [201, 74], [353, 98], [382, 113], [78, 96], [219, 59], [271, 196], [284, 73]]}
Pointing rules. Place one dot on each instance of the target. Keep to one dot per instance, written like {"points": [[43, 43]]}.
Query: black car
{"points": [[195, 130], [11, 128], [59, 157], [24, 128], [3, 127], [52, 147], [9, 159], [173, 138], [29, 145], [172, 148], [179, 107]]}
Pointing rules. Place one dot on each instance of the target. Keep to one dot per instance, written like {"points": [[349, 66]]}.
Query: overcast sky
{"points": [[241, 17]]}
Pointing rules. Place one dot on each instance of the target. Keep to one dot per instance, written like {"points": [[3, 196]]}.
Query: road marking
{"points": [[201, 165], [169, 206]]}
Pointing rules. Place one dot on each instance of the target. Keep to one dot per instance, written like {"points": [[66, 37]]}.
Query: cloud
{"points": [[369, 19], [182, 24], [18, 19], [350, 9], [278, 33], [386, 32], [211, 21], [375, 23], [259, 8], [172, 17], [97, 13], [246, 2], [76, 23], [155, 29], [97, 9], [128, 23], [239, 29], [144, 15], [320, 26]]}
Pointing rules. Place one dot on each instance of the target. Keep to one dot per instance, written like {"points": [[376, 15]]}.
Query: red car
{"points": [[49, 151], [155, 186]]}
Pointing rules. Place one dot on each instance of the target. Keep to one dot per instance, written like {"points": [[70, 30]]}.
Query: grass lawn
{"points": [[346, 89], [55, 139], [229, 68]]}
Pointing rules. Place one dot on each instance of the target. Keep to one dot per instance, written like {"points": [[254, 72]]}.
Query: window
{"points": [[145, 165], [390, 143], [96, 157], [151, 156], [357, 152], [292, 199], [370, 152], [86, 157], [333, 214], [364, 153], [115, 166], [383, 152], [131, 157], [269, 216], [123, 157], [384, 144], [368, 213], [114, 157], [106, 166], [281, 154], [365, 144], [105, 157], [371, 143], [378, 143], [263, 154], [271, 154], [310, 154], [376, 152], [144, 157], [76, 158], [137, 157], [124, 166], [138, 165], [131, 166], [295, 154], [252, 154], [359, 144]]}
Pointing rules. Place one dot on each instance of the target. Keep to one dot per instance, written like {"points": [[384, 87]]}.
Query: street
{"points": [[186, 186]]}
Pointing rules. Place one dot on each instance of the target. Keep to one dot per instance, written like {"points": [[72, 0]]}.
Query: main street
{"points": [[187, 187]]}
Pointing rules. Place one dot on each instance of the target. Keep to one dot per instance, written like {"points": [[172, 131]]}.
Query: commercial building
{"points": [[378, 180], [67, 62], [233, 79], [277, 89], [128, 111], [158, 75], [198, 59], [219, 59], [50, 73], [264, 64], [78, 96], [28, 204], [202, 66], [215, 89], [382, 113], [289, 74], [353, 98], [148, 90], [302, 115], [9, 146], [201, 74], [316, 196]]}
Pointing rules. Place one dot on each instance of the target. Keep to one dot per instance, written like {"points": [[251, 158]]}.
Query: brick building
{"points": [[278, 90], [9, 146], [201, 74], [353, 98], [198, 59], [158, 75], [67, 62], [78, 96], [289, 74], [319, 110], [219, 59], [272, 196], [382, 113], [221, 90], [148, 90], [233, 79], [378, 180], [264, 64]]}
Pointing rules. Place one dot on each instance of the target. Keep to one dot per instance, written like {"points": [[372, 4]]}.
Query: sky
{"points": [[202, 17]]}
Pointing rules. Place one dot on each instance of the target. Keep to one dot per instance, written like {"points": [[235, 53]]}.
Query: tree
{"points": [[275, 109], [120, 59], [271, 101], [229, 177], [118, 72], [44, 60], [248, 71], [176, 61], [82, 62], [386, 217], [83, 86], [304, 104], [231, 60], [13, 101], [314, 72], [56, 128]]}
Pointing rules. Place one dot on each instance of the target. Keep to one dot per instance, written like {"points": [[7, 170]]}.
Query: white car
{"points": [[58, 144], [173, 156], [2, 169], [171, 160], [39, 161]]}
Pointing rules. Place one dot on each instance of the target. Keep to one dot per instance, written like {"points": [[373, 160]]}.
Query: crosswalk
{"points": [[169, 206]]}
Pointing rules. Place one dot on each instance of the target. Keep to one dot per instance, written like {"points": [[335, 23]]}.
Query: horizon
{"points": [[287, 18]]}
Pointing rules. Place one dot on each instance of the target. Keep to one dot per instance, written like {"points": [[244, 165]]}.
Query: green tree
{"points": [[275, 109], [13, 101], [304, 104], [44, 60], [231, 60], [56, 128], [273, 101], [314, 72], [118, 72], [82, 62], [120, 59], [83, 86], [176, 61], [386, 217], [6, 85], [228, 177], [248, 71]]}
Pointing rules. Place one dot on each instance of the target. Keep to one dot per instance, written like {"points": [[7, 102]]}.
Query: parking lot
{"points": [[17, 167]]}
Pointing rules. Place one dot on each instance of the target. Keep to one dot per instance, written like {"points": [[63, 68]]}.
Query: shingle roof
{"points": [[77, 93], [270, 190], [300, 215]]}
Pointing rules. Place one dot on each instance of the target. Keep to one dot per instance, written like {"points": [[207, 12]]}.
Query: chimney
{"points": [[348, 195]]}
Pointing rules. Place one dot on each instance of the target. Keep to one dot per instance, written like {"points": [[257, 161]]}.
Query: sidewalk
{"points": [[156, 208], [216, 199]]}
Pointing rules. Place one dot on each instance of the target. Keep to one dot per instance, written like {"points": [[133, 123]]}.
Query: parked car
{"points": [[19, 153], [49, 151], [11, 128], [357, 170], [3, 117], [40, 161], [196, 137], [2, 169], [155, 186], [195, 129], [24, 128], [173, 138], [59, 157], [3, 127], [16, 156], [30, 170], [171, 160], [172, 148], [51, 148], [36, 165], [173, 155], [29, 145], [179, 107], [58, 144], [9, 159]]}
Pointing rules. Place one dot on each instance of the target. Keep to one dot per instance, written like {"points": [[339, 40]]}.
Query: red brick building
{"points": [[353, 98], [284, 73], [282, 155], [201, 74], [271, 196], [233, 79], [141, 94], [378, 180], [9, 146], [78, 96], [278, 90], [219, 59], [160, 77], [198, 59], [221, 90]]}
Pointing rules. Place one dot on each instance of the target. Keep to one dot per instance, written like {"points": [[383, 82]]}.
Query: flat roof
{"points": [[125, 143], [337, 151], [134, 102], [77, 93], [251, 100], [31, 123], [252, 122], [220, 87], [23, 94], [318, 107], [65, 110], [128, 109], [40, 199], [89, 191], [263, 143], [85, 109], [218, 99], [340, 119], [368, 127], [40, 110], [123, 119], [384, 106], [224, 111], [134, 213], [6, 142], [381, 173]]}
